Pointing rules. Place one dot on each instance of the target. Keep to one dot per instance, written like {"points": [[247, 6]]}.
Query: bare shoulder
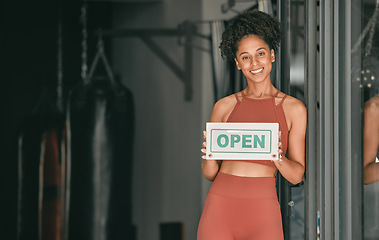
{"points": [[223, 108], [228, 100], [295, 112], [371, 113], [372, 105], [294, 107]]}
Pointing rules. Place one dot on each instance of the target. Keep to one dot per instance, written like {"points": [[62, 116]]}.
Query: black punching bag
{"points": [[100, 122]]}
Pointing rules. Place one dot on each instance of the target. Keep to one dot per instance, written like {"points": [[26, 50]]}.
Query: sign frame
{"points": [[230, 149]]}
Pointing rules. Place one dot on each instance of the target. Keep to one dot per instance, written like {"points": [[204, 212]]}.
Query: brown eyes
{"points": [[260, 54]]}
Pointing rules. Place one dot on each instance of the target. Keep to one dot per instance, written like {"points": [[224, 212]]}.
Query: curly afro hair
{"points": [[251, 22]]}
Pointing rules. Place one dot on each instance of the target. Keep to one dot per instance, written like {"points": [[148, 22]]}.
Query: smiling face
{"points": [[254, 58]]}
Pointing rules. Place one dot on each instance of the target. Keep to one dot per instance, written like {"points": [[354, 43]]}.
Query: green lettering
{"points": [[226, 141], [261, 142], [235, 139], [245, 140]]}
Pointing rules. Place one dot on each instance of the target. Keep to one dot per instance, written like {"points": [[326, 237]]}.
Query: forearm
{"points": [[210, 169], [371, 140], [371, 173], [290, 170]]}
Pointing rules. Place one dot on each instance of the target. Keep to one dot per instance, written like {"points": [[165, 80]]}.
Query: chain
{"points": [[60, 66], [83, 19], [372, 29]]}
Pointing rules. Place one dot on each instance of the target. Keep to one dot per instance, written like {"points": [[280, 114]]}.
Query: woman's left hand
{"points": [[280, 151]]}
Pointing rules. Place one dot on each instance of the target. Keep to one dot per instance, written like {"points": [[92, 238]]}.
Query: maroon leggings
{"points": [[241, 208]]}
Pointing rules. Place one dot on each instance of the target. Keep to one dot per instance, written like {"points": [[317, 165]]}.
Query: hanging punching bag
{"points": [[52, 173], [39, 173], [41, 163], [100, 137], [29, 155]]}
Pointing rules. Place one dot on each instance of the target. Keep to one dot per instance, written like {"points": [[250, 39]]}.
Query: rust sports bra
{"points": [[261, 111]]}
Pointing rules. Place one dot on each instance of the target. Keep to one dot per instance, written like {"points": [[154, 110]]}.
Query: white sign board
{"points": [[242, 141]]}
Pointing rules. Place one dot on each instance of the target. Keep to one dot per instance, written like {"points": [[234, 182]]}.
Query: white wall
{"points": [[167, 182]]}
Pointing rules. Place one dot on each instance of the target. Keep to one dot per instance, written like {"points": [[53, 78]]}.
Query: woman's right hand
{"points": [[210, 167], [204, 149]]}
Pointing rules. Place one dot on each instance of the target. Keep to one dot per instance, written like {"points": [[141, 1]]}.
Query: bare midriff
{"points": [[247, 169]]}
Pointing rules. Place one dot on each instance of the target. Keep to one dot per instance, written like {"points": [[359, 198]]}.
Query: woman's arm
{"points": [[220, 111], [293, 167], [371, 140]]}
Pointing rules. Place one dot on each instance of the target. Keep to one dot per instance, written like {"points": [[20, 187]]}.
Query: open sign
{"points": [[242, 141]]}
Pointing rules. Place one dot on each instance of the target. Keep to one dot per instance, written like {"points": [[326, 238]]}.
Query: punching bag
{"points": [[52, 172], [40, 167], [99, 161]]}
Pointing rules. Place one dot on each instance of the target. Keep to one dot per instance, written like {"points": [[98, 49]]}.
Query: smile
{"points": [[257, 71]]}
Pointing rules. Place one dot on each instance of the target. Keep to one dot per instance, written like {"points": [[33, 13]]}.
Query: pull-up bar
{"points": [[186, 30]]}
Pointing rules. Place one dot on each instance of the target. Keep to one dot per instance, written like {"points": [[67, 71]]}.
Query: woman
{"points": [[371, 140], [242, 201]]}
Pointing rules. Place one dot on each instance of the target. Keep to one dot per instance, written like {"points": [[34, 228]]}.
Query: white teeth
{"points": [[257, 71]]}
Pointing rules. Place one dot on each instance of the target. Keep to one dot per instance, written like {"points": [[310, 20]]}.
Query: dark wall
{"points": [[28, 67]]}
